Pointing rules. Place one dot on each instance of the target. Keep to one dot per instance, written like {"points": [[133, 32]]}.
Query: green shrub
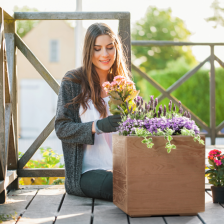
{"points": [[194, 93], [50, 159]]}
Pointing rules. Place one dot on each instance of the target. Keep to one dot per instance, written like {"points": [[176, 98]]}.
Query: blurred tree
{"points": [[24, 26], [218, 17], [159, 24]]}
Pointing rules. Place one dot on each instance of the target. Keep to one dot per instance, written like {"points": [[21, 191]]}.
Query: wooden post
{"points": [[124, 31], [10, 29], [2, 110], [212, 96]]}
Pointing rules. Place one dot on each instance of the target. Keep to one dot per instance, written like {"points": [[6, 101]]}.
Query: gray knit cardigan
{"points": [[72, 133]]}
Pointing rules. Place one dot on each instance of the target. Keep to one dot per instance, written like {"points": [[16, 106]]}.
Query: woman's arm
{"points": [[67, 128]]}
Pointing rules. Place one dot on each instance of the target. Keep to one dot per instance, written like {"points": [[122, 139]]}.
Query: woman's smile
{"points": [[104, 54], [105, 61]]}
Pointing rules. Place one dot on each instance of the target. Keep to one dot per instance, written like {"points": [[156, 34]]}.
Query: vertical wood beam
{"points": [[212, 96], [2, 102], [124, 31], [10, 28]]}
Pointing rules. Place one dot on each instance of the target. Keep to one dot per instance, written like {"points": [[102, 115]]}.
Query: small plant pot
{"points": [[217, 194]]}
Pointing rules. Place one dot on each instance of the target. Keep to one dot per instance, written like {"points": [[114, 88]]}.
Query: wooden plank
{"points": [[7, 91], [37, 64], [75, 210], [11, 61], [171, 43], [147, 220], [212, 96], [43, 207], [8, 113], [175, 101], [1, 27], [71, 15], [107, 212], [183, 220], [8, 16], [12, 153], [183, 79], [39, 172], [2, 108], [11, 176], [36, 144], [35, 187], [10, 49], [214, 212], [124, 30], [16, 203]]}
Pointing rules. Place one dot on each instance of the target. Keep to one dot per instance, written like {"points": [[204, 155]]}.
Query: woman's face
{"points": [[104, 53]]}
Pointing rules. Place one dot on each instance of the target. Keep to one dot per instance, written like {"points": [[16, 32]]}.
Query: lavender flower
{"points": [[164, 111], [174, 108], [170, 105], [152, 103]]}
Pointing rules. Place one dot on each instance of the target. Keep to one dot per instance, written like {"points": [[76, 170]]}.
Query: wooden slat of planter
{"points": [[75, 210], [147, 220], [158, 172], [43, 208], [214, 212], [17, 201]]}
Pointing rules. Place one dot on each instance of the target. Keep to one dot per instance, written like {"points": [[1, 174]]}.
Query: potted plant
{"points": [[158, 156], [215, 175]]}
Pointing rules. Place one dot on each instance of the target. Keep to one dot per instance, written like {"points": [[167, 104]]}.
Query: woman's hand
{"points": [[109, 123]]}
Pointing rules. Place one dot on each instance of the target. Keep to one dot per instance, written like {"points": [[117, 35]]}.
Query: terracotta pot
{"points": [[217, 194], [150, 182]]}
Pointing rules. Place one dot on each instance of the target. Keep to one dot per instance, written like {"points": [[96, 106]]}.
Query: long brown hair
{"points": [[87, 75]]}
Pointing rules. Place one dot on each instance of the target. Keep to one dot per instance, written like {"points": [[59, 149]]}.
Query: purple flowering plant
{"points": [[145, 121]]}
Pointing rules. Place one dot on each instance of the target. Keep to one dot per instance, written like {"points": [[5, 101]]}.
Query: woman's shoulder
{"points": [[74, 76]]}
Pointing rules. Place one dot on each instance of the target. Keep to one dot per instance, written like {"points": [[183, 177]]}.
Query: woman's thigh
{"points": [[98, 184]]}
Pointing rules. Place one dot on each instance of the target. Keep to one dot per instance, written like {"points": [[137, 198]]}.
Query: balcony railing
{"points": [[11, 168]]}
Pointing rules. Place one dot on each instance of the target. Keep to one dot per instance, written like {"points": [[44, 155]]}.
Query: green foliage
{"points": [[6, 217], [50, 159], [160, 25], [24, 26], [218, 16], [191, 133], [141, 132], [215, 174], [194, 93]]}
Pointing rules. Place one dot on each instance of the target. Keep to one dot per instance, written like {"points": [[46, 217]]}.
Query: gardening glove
{"points": [[109, 123]]}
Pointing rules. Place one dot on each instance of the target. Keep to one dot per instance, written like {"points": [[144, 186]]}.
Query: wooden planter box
{"points": [[150, 182]]}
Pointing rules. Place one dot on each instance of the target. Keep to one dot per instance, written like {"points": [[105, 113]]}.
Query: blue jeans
{"points": [[98, 184]]}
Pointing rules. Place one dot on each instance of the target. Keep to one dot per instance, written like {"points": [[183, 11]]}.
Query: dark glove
{"points": [[109, 123]]}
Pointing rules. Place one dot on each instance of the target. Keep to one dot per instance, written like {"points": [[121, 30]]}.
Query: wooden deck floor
{"points": [[51, 205]]}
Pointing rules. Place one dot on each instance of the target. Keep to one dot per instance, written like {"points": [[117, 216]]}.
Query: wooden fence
{"points": [[10, 167]]}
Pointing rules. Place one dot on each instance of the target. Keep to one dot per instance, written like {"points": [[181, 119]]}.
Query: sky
{"points": [[192, 12]]}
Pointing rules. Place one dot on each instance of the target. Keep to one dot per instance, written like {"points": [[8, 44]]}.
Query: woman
{"points": [[83, 122]]}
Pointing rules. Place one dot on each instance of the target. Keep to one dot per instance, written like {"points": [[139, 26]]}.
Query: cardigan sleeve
{"points": [[67, 127]]}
